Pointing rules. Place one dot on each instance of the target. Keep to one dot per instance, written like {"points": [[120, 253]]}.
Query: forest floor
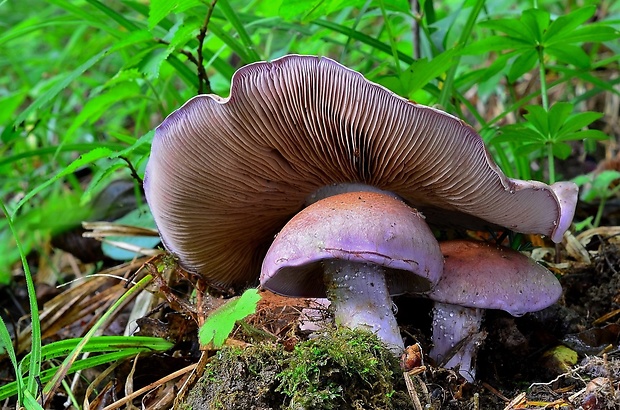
{"points": [[564, 357]]}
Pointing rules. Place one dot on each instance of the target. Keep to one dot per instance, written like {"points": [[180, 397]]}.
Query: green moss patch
{"points": [[341, 369]]}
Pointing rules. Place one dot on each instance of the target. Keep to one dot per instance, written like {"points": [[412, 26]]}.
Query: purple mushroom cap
{"points": [[484, 276], [479, 276], [358, 249], [364, 227]]}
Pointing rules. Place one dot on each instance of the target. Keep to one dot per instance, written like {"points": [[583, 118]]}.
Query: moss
{"points": [[342, 369], [240, 379]]}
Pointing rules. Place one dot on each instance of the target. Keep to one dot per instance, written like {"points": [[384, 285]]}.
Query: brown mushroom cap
{"points": [[226, 174], [485, 276]]}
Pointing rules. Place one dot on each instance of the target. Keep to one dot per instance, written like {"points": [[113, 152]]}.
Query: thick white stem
{"points": [[456, 338], [360, 300]]}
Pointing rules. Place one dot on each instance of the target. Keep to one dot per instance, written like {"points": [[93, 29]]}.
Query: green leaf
{"points": [[538, 119], [232, 18], [423, 71], [595, 33], [568, 22], [513, 28], [584, 135], [220, 322], [6, 345], [570, 54], [558, 114], [522, 64], [495, 44], [561, 150], [159, 10], [536, 22], [97, 106], [579, 121]]}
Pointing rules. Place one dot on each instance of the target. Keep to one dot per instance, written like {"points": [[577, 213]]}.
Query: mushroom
{"points": [[225, 174], [479, 276], [357, 249]]}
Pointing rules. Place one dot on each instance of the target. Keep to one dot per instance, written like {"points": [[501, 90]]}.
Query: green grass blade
{"points": [[119, 18], [446, 91], [233, 19], [362, 38], [35, 328], [84, 159], [72, 357], [59, 86], [7, 344]]}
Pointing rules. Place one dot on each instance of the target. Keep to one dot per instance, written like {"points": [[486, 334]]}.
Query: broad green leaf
{"points": [[151, 64], [513, 28], [518, 134], [595, 33], [584, 135], [159, 9], [536, 22], [495, 44], [423, 71], [538, 118], [579, 121], [568, 22], [571, 54], [221, 321], [561, 150], [522, 64], [558, 114]]}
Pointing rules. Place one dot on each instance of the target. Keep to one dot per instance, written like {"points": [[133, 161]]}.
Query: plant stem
{"points": [[599, 213], [393, 42], [551, 163], [543, 79]]}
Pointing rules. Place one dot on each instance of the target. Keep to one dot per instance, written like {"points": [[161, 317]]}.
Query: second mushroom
{"points": [[358, 249]]}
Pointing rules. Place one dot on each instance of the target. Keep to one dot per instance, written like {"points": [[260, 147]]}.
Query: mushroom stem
{"points": [[456, 338], [360, 299]]}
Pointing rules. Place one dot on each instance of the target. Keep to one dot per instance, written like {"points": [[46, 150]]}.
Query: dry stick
{"points": [[417, 18], [204, 86]]}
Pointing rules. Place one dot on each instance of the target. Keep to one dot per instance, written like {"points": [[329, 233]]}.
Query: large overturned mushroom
{"points": [[225, 174]]}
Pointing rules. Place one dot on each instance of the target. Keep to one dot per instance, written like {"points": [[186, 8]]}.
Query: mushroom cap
{"points": [[225, 174], [484, 276], [362, 227]]}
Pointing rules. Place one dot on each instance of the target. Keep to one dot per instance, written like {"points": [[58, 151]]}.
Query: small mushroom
{"points": [[225, 174], [357, 249], [479, 276]]}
